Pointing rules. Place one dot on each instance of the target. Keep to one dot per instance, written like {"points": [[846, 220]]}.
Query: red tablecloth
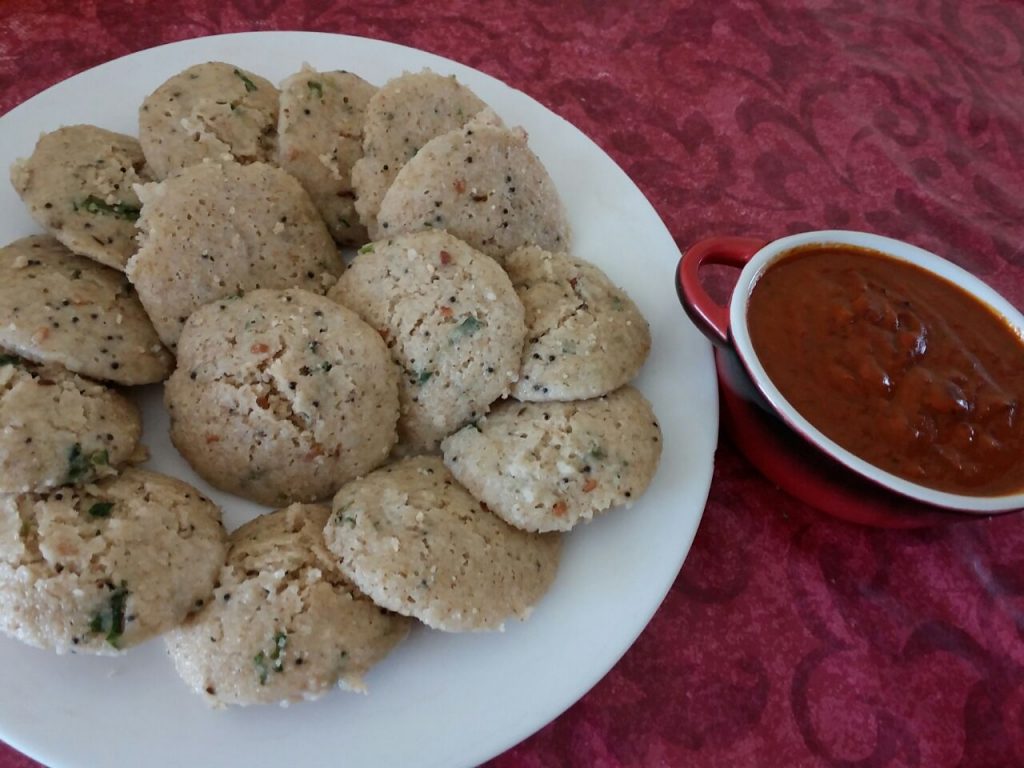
{"points": [[788, 638]]}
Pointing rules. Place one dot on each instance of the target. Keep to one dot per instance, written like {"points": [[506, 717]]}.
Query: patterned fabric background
{"points": [[788, 639]]}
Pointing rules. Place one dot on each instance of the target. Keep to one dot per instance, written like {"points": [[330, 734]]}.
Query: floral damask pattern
{"points": [[788, 639]]}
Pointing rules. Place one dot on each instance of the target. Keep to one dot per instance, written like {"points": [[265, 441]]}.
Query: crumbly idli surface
{"points": [[406, 113], [58, 428], [483, 184], [218, 230], [417, 543], [212, 111], [282, 396], [78, 185], [548, 466], [320, 138], [284, 624], [585, 337], [452, 322], [58, 307], [102, 567]]}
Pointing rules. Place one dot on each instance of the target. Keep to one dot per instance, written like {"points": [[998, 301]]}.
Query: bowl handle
{"points": [[711, 318]]}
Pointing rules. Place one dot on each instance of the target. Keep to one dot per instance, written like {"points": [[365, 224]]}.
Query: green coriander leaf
{"points": [[101, 509], [250, 86], [316, 88], [467, 327], [93, 204]]}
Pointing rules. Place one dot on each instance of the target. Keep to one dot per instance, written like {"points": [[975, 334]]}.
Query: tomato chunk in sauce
{"points": [[897, 365]]}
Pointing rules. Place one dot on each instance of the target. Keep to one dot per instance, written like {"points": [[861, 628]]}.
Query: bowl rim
{"points": [[902, 251]]}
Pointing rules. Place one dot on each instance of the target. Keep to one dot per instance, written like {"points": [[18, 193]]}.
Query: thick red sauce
{"points": [[895, 364]]}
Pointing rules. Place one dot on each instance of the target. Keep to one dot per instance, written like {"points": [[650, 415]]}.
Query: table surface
{"points": [[788, 638]]}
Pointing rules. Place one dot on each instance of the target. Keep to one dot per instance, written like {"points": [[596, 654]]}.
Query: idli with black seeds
{"points": [[58, 428], [282, 396], [78, 185], [218, 230], [484, 185], [550, 466], [102, 567], [320, 138], [585, 336], [284, 623], [452, 322], [58, 307], [212, 111]]}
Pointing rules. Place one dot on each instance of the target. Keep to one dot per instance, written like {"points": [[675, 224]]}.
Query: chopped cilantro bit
{"points": [[101, 509], [110, 619], [597, 452], [82, 466], [262, 669], [280, 643], [368, 248], [326, 366], [316, 88], [93, 204], [250, 86], [424, 377], [467, 327], [617, 304], [9, 360]]}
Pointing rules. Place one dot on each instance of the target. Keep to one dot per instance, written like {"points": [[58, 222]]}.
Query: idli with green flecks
{"points": [[550, 466], [213, 111], [406, 113], [452, 323], [320, 138], [58, 307], [78, 185], [483, 184], [417, 543], [282, 396], [284, 623], [102, 567], [216, 230], [58, 428], [585, 336]]}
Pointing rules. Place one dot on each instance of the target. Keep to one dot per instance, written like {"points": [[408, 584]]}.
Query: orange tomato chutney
{"points": [[897, 365]]}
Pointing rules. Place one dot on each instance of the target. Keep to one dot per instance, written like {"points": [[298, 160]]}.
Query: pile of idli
{"points": [[366, 307]]}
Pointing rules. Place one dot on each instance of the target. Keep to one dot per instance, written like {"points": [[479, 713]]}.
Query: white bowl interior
{"points": [[903, 252]]}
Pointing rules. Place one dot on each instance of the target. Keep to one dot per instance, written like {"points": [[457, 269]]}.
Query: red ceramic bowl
{"points": [[727, 326]]}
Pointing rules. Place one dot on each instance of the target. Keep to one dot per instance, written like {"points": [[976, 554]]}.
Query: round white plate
{"points": [[438, 700]]}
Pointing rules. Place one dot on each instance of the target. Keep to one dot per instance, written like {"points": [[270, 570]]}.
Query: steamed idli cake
{"points": [[100, 568], [57, 428], [284, 623], [57, 307], [77, 185], [585, 337], [320, 137], [401, 117], [418, 544], [484, 185], [216, 230], [452, 322], [212, 111], [547, 466], [281, 396]]}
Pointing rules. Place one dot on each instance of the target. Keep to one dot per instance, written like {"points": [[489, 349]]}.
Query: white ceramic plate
{"points": [[438, 700]]}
